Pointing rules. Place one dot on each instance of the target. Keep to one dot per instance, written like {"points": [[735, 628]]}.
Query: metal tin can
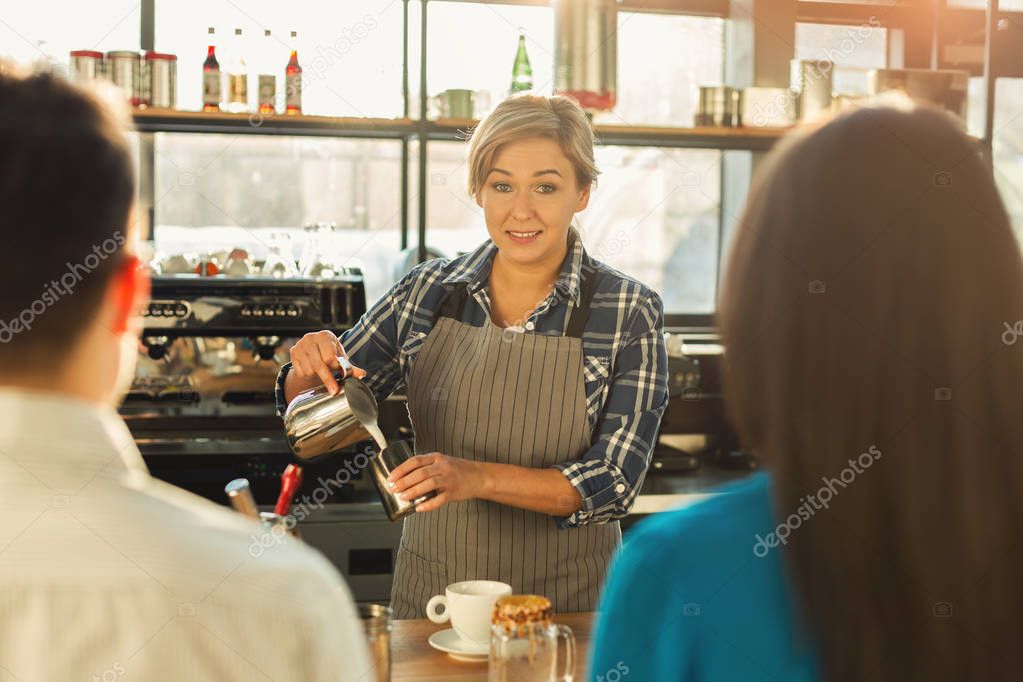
{"points": [[85, 65], [124, 68], [376, 623], [586, 52], [719, 106], [161, 82], [812, 80]]}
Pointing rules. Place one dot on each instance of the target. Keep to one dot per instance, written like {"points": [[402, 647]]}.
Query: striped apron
{"points": [[496, 395]]}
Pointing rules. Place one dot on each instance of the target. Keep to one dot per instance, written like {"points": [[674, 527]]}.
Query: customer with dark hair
{"points": [[104, 571], [868, 316]]}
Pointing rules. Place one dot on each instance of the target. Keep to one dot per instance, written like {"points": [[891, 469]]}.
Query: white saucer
{"points": [[454, 646]]}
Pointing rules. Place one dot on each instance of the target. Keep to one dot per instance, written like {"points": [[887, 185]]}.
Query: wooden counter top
{"points": [[412, 657]]}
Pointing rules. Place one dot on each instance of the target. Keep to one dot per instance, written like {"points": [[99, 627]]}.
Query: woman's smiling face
{"points": [[528, 199]]}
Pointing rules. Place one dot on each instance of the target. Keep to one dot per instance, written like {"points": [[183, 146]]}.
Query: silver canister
{"points": [[124, 68], [161, 81], [812, 80], [85, 65], [376, 623], [718, 106], [586, 52]]}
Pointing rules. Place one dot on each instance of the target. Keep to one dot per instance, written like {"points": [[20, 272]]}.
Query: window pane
{"points": [[1008, 147], [1015, 5], [215, 192], [853, 49], [454, 222], [653, 215], [688, 52], [350, 52], [50, 30], [881, 3], [490, 34]]}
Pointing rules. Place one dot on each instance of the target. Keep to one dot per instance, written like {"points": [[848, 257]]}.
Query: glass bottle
{"points": [[211, 77], [237, 76], [267, 83], [280, 261], [522, 72], [293, 81], [318, 257]]}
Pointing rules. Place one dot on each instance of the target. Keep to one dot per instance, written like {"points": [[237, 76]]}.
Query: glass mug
{"points": [[525, 649]]}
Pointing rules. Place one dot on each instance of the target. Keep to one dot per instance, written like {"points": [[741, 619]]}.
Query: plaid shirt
{"points": [[624, 361]]}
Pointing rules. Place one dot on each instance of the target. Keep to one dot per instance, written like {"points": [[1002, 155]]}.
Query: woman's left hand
{"points": [[453, 478]]}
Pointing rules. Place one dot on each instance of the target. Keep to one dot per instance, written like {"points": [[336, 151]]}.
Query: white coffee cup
{"points": [[469, 606]]}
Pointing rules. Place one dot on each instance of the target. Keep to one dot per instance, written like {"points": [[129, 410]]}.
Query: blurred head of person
{"points": [[869, 313], [531, 168], [70, 285]]}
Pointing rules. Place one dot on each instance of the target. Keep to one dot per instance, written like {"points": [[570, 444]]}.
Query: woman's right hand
{"points": [[316, 356]]}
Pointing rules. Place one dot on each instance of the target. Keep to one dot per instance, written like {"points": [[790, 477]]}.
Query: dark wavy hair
{"points": [[67, 187], [870, 301]]}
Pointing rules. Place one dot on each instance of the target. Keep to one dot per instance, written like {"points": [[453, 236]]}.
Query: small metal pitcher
{"points": [[381, 467], [318, 424]]}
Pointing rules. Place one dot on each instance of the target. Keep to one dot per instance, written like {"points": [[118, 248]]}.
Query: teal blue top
{"points": [[690, 596]]}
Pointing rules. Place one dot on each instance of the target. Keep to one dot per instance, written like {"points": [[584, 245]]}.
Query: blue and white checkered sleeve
{"points": [[609, 474]]}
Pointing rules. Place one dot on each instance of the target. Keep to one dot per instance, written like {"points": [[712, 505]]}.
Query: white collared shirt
{"points": [[109, 574]]}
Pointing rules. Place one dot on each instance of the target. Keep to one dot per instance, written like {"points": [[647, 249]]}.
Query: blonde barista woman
{"points": [[535, 376]]}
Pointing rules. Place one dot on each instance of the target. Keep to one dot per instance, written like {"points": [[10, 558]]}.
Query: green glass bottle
{"points": [[522, 72]]}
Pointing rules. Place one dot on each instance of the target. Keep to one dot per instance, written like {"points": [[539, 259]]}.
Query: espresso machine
{"points": [[696, 435], [201, 407]]}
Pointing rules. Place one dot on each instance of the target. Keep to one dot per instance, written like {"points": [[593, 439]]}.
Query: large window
{"points": [[1003, 5], [1008, 147], [481, 59], [216, 192], [653, 215], [655, 212], [350, 52], [853, 49], [49, 31], [662, 62]]}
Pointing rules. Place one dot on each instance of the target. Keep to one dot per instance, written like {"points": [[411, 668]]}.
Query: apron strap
{"points": [[454, 300], [579, 315]]}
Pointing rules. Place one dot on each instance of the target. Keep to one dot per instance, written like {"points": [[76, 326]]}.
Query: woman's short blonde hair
{"points": [[557, 118]]}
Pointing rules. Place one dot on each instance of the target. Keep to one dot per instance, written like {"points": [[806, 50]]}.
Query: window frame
{"points": [[917, 20]]}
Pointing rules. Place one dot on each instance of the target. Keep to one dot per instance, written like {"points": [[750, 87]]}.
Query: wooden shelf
{"points": [[175, 121], [753, 139]]}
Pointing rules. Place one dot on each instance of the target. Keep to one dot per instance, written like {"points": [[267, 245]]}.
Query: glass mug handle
{"points": [[563, 631]]}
